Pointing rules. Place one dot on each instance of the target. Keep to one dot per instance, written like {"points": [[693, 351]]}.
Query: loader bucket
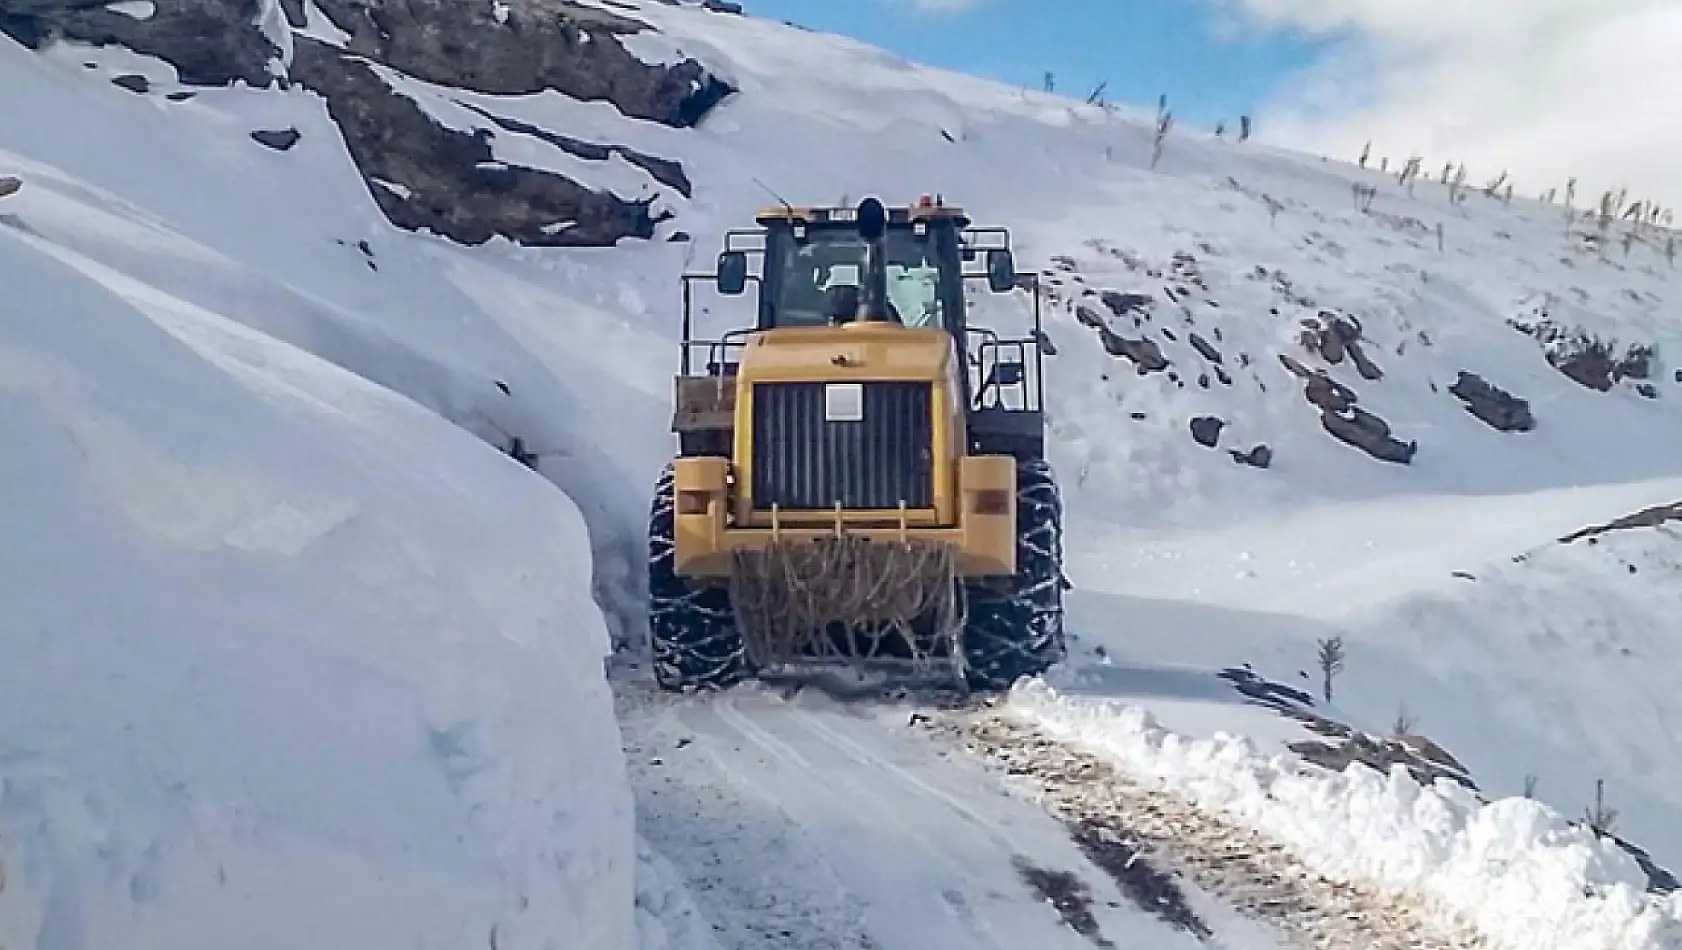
{"points": [[849, 597]]}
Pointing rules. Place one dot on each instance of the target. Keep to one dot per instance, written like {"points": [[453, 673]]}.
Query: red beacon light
{"points": [[926, 201]]}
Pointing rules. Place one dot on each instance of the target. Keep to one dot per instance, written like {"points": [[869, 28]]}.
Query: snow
{"points": [[289, 620], [1513, 868], [851, 830], [284, 647], [288, 640]]}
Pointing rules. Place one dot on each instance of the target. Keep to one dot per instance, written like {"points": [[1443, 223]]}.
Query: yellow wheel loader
{"points": [[861, 475]]}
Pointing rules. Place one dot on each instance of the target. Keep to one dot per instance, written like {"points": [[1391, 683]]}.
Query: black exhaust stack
{"points": [[873, 290]]}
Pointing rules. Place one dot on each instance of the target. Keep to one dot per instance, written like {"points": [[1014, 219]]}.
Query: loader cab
{"points": [[815, 267], [906, 265], [817, 279]]}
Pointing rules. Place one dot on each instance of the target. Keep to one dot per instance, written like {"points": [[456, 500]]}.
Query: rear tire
{"points": [[1015, 624], [693, 630]]}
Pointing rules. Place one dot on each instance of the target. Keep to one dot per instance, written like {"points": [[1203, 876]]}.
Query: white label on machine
{"points": [[843, 402]]}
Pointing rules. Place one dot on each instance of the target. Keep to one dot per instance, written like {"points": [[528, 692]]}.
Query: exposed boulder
{"points": [[1261, 456], [1123, 305], [1335, 336], [1144, 352], [1587, 359], [1495, 406], [1206, 430], [1369, 433], [1328, 394], [280, 140], [1207, 351]]}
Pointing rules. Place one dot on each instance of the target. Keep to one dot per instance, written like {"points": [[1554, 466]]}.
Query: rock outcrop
{"points": [[1498, 408], [420, 173], [534, 46], [1346, 421], [423, 175]]}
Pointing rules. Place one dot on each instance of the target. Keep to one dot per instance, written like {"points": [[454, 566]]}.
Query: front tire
{"points": [[1015, 624], [696, 642]]}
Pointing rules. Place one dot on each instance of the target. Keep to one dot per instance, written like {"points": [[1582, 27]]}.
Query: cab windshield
{"points": [[818, 282]]}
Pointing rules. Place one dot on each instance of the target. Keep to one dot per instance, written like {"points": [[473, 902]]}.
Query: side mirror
{"points": [[732, 273], [1001, 271]]}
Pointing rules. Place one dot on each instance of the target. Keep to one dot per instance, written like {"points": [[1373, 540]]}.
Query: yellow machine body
{"points": [[973, 506]]}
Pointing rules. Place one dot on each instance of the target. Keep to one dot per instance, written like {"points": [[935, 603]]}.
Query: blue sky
{"points": [[1141, 47]]}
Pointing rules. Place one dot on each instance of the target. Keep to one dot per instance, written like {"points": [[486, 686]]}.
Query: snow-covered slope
{"points": [[212, 272], [289, 660]]}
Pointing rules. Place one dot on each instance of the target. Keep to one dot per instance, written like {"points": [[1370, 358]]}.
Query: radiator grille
{"points": [[804, 461]]}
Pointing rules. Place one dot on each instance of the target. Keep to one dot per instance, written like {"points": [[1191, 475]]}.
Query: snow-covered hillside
{"points": [[282, 628]]}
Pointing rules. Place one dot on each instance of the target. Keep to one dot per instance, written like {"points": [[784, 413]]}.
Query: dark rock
{"points": [[450, 182], [1290, 364], [1122, 304], [209, 42], [1646, 518], [1363, 365], [545, 44], [722, 6], [662, 170], [1089, 317], [180, 96], [1369, 433], [1207, 430], [1260, 456], [1202, 346], [278, 139], [1495, 406], [679, 237], [1592, 368], [133, 82], [1328, 394], [1143, 352], [1425, 761]]}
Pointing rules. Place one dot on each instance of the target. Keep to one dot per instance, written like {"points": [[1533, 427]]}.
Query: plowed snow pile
{"points": [[1514, 869], [286, 661]]}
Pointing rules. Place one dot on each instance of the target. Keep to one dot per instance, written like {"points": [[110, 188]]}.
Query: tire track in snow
{"points": [[1260, 878], [806, 827]]}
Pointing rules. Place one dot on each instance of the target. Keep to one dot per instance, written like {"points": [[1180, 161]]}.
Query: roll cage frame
{"points": [[997, 366]]}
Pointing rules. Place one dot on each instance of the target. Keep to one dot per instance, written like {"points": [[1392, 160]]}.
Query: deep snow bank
{"points": [[288, 660], [1514, 868]]}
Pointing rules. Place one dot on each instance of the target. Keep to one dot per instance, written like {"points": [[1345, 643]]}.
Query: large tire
{"points": [[1015, 625], [692, 627]]}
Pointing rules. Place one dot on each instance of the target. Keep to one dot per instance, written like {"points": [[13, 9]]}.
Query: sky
{"points": [[1140, 48], [1543, 89]]}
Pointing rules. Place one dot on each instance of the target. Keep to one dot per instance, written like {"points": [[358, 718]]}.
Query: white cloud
{"points": [[1546, 88]]}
